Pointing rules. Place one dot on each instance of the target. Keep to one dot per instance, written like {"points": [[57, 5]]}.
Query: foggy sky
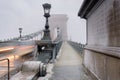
{"points": [[28, 14]]}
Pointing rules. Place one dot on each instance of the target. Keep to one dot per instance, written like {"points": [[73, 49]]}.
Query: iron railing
{"points": [[8, 66], [77, 46]]}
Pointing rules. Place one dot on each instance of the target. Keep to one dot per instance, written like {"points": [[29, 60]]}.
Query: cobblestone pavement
{"points": [[69, 65]]}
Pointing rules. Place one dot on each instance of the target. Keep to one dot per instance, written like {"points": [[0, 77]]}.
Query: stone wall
{"points": [[104, 67], [102, 53], [104, 24]]}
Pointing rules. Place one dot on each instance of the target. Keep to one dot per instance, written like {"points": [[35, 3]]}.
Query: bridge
{"points": [[48, 55], [68, 59], [37, 55], [42, 54], [17, 50]]}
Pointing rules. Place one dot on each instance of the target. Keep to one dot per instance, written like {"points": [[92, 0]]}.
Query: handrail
{"points": [[8, 66], [77, 46]]}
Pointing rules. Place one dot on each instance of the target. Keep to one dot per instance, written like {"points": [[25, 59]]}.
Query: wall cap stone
{"points": [[88, 7], [110, 51]]}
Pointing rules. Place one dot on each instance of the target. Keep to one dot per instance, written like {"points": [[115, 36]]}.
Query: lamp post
{"points": [[46, 7], [20, 31], [46, 42], [58, 31], [46, 36]]}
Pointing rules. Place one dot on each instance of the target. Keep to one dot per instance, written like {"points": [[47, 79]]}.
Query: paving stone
{"points": [[69, 66]]}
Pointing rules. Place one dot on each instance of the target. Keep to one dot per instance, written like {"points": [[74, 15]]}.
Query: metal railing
{"points": [[24, 37], [8, 66], [77, 46]]}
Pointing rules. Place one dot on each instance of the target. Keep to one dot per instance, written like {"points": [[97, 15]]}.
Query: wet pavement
{"points": [[69, 65], [15, 60]]}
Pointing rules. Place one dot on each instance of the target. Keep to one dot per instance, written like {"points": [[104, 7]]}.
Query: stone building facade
{"points": [[58, 21], [102, 52]]}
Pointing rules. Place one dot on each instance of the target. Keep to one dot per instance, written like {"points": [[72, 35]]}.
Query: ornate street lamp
{"points": [[46, 7], [46, 42], [20, 31]]}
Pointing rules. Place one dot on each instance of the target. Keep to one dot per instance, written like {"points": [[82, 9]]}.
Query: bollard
{"points": [[43, 70]]}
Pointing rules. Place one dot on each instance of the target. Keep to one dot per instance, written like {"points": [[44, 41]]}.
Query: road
{"points": [[15, 55]]}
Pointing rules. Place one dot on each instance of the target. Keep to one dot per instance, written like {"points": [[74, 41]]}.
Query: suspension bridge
{"points": [[45, 55]]}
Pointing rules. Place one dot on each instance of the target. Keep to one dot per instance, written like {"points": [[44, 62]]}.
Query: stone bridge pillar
{"points": [[58, 21]]}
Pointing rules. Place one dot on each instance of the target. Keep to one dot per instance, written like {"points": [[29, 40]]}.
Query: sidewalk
{"points": [[69, 65]]}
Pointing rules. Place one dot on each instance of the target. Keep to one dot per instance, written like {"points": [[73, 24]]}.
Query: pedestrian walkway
{"points": [[69, 65]]}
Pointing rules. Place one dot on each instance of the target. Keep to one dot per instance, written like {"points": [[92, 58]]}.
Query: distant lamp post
{"points": [[58, 31], [20, 31], [46, 7]]}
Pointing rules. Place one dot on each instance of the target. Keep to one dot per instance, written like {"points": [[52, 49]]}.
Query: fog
{"points": [[28, 14]]}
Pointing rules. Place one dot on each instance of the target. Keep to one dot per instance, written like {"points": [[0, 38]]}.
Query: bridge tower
{"points": [[58, 21]]}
